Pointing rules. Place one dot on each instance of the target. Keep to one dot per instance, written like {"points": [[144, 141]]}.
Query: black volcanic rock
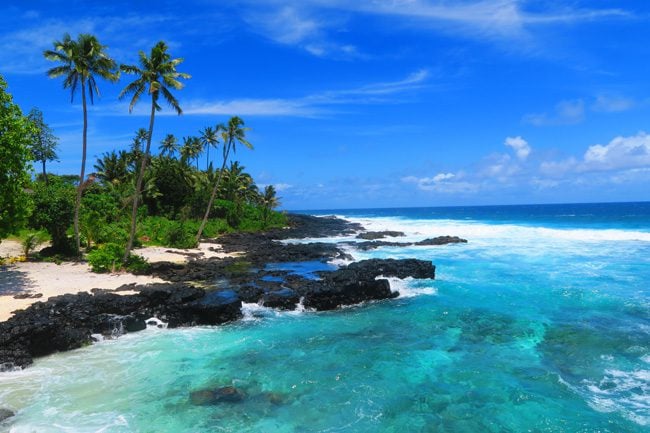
{"points": [[68, 321], [368, 269], [442, 240], [283, 299], [371, 236]]}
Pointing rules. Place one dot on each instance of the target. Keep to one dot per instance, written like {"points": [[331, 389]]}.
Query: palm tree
{"points": [[156, 74], [169, 145], [269, 201], [112, 168], [81, 61], [191, 150], [232, 134], [136, 154], [209, 138]]}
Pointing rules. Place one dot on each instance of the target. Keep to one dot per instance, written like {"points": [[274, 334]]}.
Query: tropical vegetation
{"points": [[134, 195]]}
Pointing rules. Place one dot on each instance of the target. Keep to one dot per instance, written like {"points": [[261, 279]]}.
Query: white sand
{"points": [[51, 279]]}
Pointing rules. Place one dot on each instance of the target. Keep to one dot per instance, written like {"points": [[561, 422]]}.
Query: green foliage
{"points": [[31, 242], [54, 211], [98, 210], [43, 141], [15, 132], [108, 258]]}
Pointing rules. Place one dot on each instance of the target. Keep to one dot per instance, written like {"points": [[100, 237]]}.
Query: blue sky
{"points": [[374, 103]]}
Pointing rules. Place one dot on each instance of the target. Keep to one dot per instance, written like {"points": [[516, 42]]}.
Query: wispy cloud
{"points": [[565, 113], [294, 22], [611, 103], [317, 104]]}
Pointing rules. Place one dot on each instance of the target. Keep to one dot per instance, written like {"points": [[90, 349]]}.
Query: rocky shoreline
{"points": [[211, 291]]}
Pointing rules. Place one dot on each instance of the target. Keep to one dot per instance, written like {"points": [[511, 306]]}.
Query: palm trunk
{"points": [[82, 175], [44, 173], [138, 185], [214, 193], [207, 158]]}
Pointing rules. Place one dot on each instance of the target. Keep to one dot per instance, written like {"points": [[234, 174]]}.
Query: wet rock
{"points": [[415, 268], [345, 289], [216, 307], [283, 299], [442, 240], [371, 236], [5, 414]]}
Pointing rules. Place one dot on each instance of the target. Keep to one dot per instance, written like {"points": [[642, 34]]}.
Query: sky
{"points": [[366, 104]]}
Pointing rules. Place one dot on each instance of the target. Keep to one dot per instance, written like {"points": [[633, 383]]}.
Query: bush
{"points": [[137, 265], [31, 242], [180, 235], [54, 211], [106, 258]]}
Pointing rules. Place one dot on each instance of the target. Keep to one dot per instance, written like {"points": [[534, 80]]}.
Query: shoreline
{"points": [[38, 281], [211, 291]]}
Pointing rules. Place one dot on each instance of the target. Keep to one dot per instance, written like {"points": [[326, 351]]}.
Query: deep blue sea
{"points": [[540, 323]]}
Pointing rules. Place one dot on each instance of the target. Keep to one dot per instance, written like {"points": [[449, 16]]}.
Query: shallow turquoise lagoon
{"points": [[540, 327]]}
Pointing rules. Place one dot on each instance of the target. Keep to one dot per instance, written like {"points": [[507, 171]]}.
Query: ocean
{"points": [[540, 323]]}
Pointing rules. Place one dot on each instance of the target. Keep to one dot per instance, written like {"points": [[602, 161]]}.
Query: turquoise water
{"points": [[538, 324]]}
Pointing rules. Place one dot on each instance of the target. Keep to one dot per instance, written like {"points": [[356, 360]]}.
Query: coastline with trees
{"points": [[134, 196]]}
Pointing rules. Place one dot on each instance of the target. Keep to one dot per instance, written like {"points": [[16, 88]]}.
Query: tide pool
{"points": [[536, 324]]}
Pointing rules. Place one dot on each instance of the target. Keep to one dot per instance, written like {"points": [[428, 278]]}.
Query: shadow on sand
{"points": [[13, 281]]}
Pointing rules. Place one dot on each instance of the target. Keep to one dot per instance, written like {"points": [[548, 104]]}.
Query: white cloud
{"points": [[297, 25], [443, 183], [520, 146], [565, 113], [482, 19], [307, 106], [619, 153], [608, 103]]}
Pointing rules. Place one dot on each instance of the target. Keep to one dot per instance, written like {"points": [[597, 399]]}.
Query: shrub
{"points": [[180, 235], [106, 258], [31, 242], [54, 211]]}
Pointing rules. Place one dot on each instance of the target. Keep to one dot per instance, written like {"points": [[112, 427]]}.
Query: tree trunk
{"points": [[82, 175], [214, 193], [138, 185], [44, 173]]}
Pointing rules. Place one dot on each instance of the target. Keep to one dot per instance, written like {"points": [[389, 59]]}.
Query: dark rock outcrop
{"points": [[369, 269], [5, 414], [371, 236], [442, 240], [68, 321]]}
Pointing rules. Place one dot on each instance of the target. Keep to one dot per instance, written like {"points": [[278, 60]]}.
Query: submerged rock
{"points": [[5, 414], [226, 394]]}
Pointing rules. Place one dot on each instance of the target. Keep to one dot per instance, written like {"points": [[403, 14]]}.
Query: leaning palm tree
{"points": [[232, 134], [81, 62], [156, 75]]}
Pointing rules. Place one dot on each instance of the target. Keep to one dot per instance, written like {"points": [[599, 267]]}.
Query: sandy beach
{"points": [[50, 279]]}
